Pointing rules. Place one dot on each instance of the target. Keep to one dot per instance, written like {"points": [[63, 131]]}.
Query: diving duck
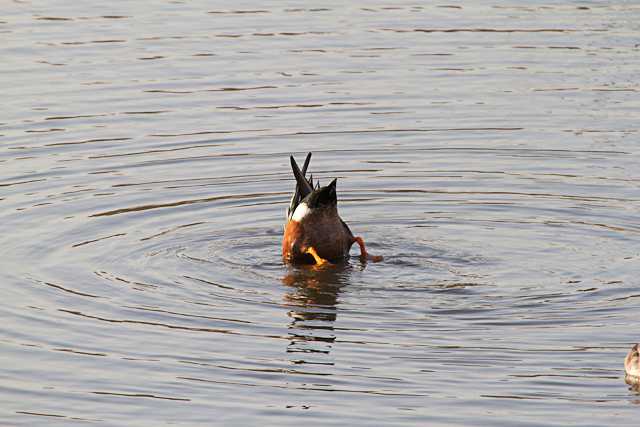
{"points": [[314, 232]]}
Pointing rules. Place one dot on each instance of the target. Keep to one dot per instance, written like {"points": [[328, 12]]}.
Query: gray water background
{"points": [[489, 150]]}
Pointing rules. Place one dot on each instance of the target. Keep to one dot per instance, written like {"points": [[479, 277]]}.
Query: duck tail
{"points": [[303, 186]]}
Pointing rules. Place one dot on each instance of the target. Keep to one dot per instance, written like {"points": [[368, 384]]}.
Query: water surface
{"points": [[488, 151]]}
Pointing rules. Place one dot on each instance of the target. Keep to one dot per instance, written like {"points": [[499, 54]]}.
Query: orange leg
{"points": [[363, 251], [319, 260]]}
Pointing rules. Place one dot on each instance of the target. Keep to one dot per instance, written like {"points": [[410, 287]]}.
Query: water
{"points": [[488, 151]]}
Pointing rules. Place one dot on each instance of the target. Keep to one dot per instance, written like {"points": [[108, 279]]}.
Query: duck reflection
{"points": [[313, 297]]}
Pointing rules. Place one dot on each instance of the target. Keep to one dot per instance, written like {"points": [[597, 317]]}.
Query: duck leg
{"points": [[364, 255], [319, 260]]}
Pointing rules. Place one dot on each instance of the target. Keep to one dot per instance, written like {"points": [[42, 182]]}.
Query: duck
{"points": [[632, 365], [314, 233]]}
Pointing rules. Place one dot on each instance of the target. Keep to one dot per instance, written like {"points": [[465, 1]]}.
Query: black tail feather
{"points": [[306, 164], [303, 186]]}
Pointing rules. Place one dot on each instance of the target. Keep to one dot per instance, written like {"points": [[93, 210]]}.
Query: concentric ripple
{"points": [[488, 152]]}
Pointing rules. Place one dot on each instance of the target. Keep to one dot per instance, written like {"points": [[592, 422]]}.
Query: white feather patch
{"points": [[301, 211]]}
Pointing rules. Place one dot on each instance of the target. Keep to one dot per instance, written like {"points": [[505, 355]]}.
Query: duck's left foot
{"points": [[319, 260], [364, 255]]}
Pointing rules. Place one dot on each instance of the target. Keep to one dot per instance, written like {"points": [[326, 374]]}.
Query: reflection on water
{"points": [[488, 151], [313, 299]]}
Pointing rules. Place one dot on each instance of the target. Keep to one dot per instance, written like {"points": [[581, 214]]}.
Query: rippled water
{"points": [[488, 151]]}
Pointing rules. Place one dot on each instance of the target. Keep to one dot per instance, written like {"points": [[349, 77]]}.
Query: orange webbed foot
{"points": [[364, 255], [319, 260]]}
